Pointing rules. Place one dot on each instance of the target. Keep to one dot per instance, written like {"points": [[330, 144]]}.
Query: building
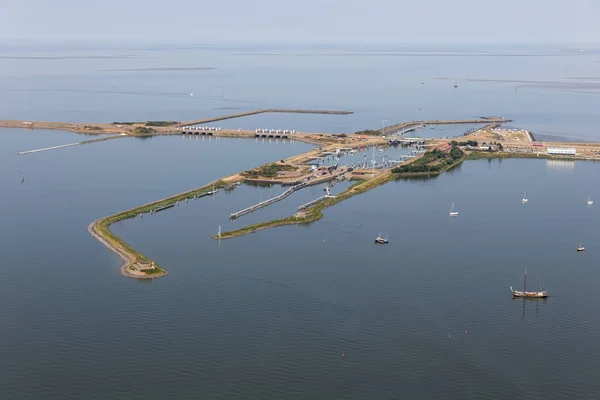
{"points": [[561, 151]]}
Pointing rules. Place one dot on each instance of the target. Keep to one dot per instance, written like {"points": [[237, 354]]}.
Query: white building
{"points": [[561, 151]]}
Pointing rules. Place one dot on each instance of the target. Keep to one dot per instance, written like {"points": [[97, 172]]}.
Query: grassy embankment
{"points": [[102, 227], [313, 213]]}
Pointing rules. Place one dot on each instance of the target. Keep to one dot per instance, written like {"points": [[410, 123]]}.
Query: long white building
{"points": [[561, 151]]}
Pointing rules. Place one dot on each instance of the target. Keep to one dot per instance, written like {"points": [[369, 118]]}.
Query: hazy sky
{"points": [[304, 20]]}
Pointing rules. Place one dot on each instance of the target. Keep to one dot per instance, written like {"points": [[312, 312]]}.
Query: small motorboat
{"points": [[380, 240]]}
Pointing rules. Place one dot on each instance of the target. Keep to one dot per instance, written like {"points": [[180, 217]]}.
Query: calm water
{"points": [[269, 315], [106, 83]]}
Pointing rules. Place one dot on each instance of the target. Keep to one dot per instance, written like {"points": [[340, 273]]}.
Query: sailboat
{"points": [[219, 234], [453, 212], [525, 199], [455, 84], [590, 201], [540, 294], [381, 240], [580, 248]]}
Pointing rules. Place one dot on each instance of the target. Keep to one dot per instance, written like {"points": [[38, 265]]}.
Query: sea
{"points": [[307, 311]]}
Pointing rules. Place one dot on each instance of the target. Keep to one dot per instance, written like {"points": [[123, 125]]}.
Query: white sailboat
{"points": [[453, 212], [590, 201], [219, 234], [525, 199], [581, 248]]}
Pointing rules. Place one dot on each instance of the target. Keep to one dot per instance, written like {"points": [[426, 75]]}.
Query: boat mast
{"points": [[539, 285], [525, 281]]}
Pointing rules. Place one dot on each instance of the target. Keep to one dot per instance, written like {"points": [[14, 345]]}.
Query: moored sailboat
{"points": [[540, 294], [453, 212], [525, 199], [590, 201], [581, 248]]}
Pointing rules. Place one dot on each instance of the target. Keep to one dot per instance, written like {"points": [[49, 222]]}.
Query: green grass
{"points": [[369, 132], [143, 130], [161, 123], [93, 127], [268, 170]]}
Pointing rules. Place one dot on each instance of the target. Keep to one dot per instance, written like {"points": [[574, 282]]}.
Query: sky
{"points": [[305, 21]]}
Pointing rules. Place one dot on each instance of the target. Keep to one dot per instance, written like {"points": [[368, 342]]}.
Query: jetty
{"points": [[268, 201], [71, 144]]}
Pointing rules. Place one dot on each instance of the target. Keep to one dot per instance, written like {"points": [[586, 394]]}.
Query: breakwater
{"points": [[406, 126], [71, 144], [263, 111], [136, 264]]}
